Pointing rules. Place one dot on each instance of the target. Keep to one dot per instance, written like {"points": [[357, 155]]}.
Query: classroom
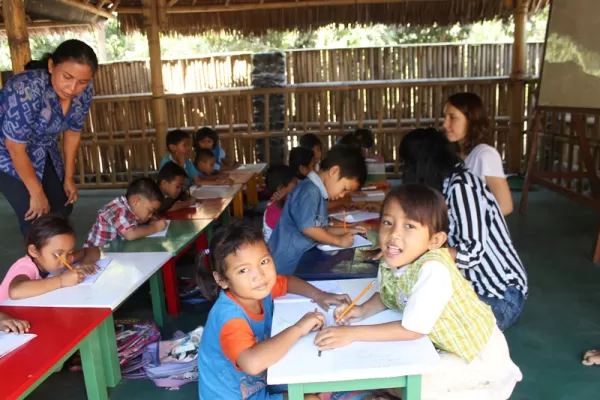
{"points": [[406, 219]]}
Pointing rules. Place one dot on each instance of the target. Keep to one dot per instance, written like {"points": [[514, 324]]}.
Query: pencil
{"points": [[62, 260], [369, 286], [345, 230]]}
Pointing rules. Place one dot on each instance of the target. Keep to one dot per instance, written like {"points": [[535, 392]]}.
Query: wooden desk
{"points": [[125, 274], [255, 179], [60, 332], [181, 236], [234, 191], [343, 369], [212, 209]]}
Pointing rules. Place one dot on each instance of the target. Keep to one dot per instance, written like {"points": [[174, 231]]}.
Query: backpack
{"points": [[169, 363]]}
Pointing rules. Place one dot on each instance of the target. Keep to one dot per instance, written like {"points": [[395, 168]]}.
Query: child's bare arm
{"points": [[86, 255], [322, 235], [323, 299], [142, 231], [9, 324], [179, 205], [21, 287]]}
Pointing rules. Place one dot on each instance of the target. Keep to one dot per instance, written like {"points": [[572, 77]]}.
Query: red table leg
{"points": [[171, 287]]}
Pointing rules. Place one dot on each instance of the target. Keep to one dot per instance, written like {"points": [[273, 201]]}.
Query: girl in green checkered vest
{"points": [[418, 277]]}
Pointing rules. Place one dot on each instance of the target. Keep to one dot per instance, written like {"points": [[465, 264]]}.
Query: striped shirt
{"points": [[485, 253]]}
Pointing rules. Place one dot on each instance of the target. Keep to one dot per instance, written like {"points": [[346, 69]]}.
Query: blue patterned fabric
{"points": [[31, 114]]}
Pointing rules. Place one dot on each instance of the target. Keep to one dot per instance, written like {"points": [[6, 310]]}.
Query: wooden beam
{"points": [[115, 5], [159, 104], [161, 14], [88, 8], [269, 6], [171, 3], [16, 30], [40, 24], [100, 4]]}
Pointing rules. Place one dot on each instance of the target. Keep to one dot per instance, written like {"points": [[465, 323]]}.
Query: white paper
{"points": [[370, 197], [216, 192], [359, 241], [355, 216], [162, 233], [370, 159], [325, 286], [223, 186], [102, 265], [12, 341], [374, 193]]}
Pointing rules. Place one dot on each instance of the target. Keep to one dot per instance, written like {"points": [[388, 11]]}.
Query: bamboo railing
{"points": [[118, 141]]}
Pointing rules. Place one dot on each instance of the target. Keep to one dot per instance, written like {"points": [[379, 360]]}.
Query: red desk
{"points": [[60, 332], [207, 209]]}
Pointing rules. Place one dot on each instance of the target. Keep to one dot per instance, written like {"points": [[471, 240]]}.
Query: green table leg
{"points": [[412, 391], [296, 392], [157, 294], [225, 216], [93, 371], [108, 347], [209, 231]]}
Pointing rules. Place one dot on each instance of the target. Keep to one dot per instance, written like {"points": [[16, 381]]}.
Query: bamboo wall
{"points": [[118, 140], [446, 60]]}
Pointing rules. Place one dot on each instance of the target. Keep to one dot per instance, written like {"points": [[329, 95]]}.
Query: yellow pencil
{"points": [[62, 260], [369, 286]]}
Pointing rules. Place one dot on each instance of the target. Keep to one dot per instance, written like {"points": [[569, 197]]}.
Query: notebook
{"points": [[355, 216], [102, 265], [372, 195], [359, 241], [12, 341], [162, 233]]}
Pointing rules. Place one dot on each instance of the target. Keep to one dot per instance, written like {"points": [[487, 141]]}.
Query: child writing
{"points": [[236, 348], [207, 138], [128, 216], [171, 180], [49, 237], [281, 179], [302, 161], [179, 145], [8, 324], [205, 164], [304, 218], [419, 277], [312, 142]]}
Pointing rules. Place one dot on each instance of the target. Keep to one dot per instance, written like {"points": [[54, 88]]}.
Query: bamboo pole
{"points": [[16, 31], [159, 105], [514, 140]]}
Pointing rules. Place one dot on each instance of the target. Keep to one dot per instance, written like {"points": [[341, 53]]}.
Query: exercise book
{"points": [[359, 241]]}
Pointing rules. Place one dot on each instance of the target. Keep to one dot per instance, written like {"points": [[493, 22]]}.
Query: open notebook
{"points": [[162, 233], [12, 341], [371, 195], [91, 279], [355, 216], [359, 241]]}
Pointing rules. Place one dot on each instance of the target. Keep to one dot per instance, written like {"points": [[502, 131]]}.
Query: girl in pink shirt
{"points": [[49, 236], [281, 179]]}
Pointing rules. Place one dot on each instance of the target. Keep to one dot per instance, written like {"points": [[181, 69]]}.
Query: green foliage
{"points": [[121, 47]]}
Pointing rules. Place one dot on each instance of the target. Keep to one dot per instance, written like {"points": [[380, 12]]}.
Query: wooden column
{"points": [[159, 105], [101, 43], [517, 87], [16, 30]]}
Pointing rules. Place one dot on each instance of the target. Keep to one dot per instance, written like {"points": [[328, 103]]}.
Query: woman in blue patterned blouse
{"points": [[52, 97]]}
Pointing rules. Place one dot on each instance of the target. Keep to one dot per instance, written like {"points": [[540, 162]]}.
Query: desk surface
{"points": [[125, 274], [360, 360], [242, 177], [58, 331], [179, 236], [215, 192], [210, 209], [255, 168]]}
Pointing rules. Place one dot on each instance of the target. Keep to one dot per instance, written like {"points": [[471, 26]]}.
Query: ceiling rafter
{"points": [[89, 8]]}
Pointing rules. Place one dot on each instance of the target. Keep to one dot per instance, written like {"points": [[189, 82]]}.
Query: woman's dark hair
{"points": [[206, 132], [422, 204], [300, 156], [427, 157], [310, 140], [46, 227], [478, 123], [365, 137], [228, 240], [349, 160], [69, 50]]}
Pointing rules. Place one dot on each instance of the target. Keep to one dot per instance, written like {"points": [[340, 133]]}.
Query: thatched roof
{"points": [[257, 16], [58, 16]]}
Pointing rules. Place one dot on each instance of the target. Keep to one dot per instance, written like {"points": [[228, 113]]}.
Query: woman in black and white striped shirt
{"points": [[478, 236]]}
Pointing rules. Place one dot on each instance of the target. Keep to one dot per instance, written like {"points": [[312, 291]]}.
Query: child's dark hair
{"points": [[69, 50], [169, 172], [228, 240], [427, 157], [350, 161], [206, 132], [144, 187], [300, 156], [365, 137], [176, 136], [46, 227], [478, 123], [350, 140], [422, 204], [203, 155], [310, 140], [279, 175]]}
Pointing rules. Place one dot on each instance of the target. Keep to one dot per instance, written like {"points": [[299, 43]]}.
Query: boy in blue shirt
{"points": [[179, 144], [304, 220]]}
